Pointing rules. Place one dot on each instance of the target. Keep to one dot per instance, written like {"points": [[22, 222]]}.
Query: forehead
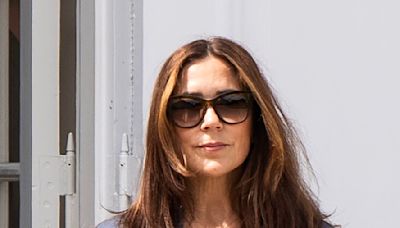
{"points": [[208, 77]]}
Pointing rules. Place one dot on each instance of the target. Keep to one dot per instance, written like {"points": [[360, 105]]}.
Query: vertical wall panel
{"points": [[4, 110], [118, 101], [26, 115], [85, 112], [45, 111]]}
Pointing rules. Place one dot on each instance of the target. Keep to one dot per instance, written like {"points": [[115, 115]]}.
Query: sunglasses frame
{"points": [[207, 103]]}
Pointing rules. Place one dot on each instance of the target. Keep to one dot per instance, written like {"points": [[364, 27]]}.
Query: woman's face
{"points": [[213, 148]]}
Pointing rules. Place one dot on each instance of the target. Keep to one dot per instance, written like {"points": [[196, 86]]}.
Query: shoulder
{"points": [[109, 223], [326, 225]]}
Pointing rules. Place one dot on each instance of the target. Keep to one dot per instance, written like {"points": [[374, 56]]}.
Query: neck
{"points": [[212, 204]]}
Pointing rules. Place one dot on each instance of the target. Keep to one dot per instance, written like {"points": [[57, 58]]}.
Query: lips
{"points": [[213, 146]]}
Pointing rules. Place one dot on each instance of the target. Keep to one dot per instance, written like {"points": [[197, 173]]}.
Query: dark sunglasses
{"points": [[188, 111]]}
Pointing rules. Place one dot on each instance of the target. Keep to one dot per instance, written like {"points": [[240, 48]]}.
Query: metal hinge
{"points": [[60, 170], [58, 178], [122, 190], [68, 168]]}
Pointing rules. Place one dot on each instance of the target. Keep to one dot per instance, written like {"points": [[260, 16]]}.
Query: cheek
{"points": [[247, 131], [185, 136], [243, 140]]}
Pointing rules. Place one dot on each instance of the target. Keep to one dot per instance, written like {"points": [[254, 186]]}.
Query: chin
{"points": [[215, 170]]}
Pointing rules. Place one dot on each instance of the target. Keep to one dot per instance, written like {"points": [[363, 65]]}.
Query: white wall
{"points": [[333, 65], [336, 65]]}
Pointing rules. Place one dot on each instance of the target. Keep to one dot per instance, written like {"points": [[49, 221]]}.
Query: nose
{"points": [[211, 120]]}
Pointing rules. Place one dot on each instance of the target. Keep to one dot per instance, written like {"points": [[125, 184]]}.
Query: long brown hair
{"points": [[270, 191]]}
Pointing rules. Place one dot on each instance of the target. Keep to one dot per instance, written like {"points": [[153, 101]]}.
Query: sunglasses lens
{"points": [[186, 112], [233, 108]]}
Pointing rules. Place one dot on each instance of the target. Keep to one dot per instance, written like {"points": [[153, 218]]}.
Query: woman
{"points": [[220, 152]]}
